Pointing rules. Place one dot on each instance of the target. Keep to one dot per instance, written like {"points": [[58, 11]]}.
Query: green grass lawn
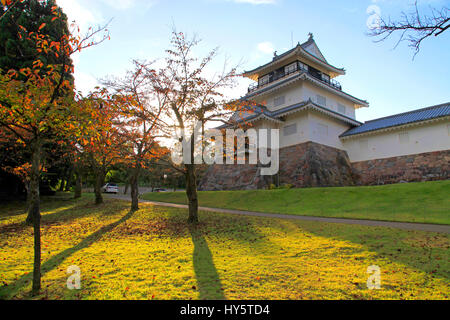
{"points": [[425, 202], [153, 254]]}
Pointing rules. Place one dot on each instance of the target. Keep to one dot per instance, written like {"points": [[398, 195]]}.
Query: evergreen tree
{"points": [[16, 50]]}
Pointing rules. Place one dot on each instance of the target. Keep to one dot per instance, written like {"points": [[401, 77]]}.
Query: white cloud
{"points": [[257, 1], [265, 47], [83, 16], [85, 82]]}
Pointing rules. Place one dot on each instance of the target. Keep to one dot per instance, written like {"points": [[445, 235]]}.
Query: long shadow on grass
{"points": [[237, 231], [7, 292], [425, 251], [75, 211], [208, 280]]}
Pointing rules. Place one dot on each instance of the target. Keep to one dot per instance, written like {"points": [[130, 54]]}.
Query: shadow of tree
{"points": [[236, 230], [208, 280], [12, 289], [75, 211], [425, 251]]}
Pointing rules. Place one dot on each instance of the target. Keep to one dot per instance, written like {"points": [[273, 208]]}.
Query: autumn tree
{"points": [[7, 6], [194, 98], [17, 50], [100, 142], [36, 105], [141, 110]]}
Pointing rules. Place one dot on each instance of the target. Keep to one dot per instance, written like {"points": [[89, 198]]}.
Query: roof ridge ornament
{"points": [[311, 36]]}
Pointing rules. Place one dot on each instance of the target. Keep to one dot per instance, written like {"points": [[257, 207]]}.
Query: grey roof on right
{"points": [[438, 111]]}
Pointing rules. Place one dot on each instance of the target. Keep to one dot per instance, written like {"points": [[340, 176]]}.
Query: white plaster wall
{"points": [[425, 138], [334, 129], [292, 93], [264, 124], [302, 135], [303, 91], [308, 130], [309, 90]]}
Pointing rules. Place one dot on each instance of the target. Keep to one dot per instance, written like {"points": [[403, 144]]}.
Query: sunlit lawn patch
{"points": [[423, 202], [153, 254]]}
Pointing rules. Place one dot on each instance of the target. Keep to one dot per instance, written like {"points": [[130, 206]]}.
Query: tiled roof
{"points": [[275, 84], [259, 110], [301, 74], [283, 111], [284, 54], [424, 114], [248, 113], [303, 45]]}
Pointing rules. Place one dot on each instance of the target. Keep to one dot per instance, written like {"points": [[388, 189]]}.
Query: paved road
{"points": [[373, 223]]}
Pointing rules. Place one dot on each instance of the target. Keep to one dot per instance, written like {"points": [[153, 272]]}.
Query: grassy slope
{"points": [[152, 254], [426, 202]]}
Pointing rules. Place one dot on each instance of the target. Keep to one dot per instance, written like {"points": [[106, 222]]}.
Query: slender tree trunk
{"points": [[99, 182], [191, 192], [61, 186], [78, 183], [34, 211], [29, 220], [127, 184], [134, 183], [69, 180]]}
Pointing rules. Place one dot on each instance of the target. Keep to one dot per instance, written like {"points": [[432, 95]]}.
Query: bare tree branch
{"points": [[413, 27]]}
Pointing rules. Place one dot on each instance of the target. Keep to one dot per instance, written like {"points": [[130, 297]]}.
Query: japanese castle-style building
{"points": [[321, 141]]}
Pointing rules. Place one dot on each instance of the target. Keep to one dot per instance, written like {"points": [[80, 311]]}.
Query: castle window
{"points": [[290, 68], [325, 77], [277, 74], [403, 137], [279, 101], [321, 100], [263, 80], [302, 66], [341, 108], [290, 130]]}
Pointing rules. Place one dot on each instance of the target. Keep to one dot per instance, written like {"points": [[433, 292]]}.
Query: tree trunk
{"points": [[34, 211], [78, 184], [61, 186], [134, 183], [29, 220], [191, 192], [69, 180], [127, 184], [99, 182]]}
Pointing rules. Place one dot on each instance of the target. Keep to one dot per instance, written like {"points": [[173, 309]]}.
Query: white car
{"points": [[110, 188]]}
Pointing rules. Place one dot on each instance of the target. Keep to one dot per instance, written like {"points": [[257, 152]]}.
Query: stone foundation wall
{"points": [[412, 168], [304, 165], [232, 177], [315, 165]]}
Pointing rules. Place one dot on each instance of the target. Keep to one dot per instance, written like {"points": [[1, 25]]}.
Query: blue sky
{"points": [[248, 31]]}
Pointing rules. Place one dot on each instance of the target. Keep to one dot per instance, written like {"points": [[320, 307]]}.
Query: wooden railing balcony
{"points": [[298, 68]]}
